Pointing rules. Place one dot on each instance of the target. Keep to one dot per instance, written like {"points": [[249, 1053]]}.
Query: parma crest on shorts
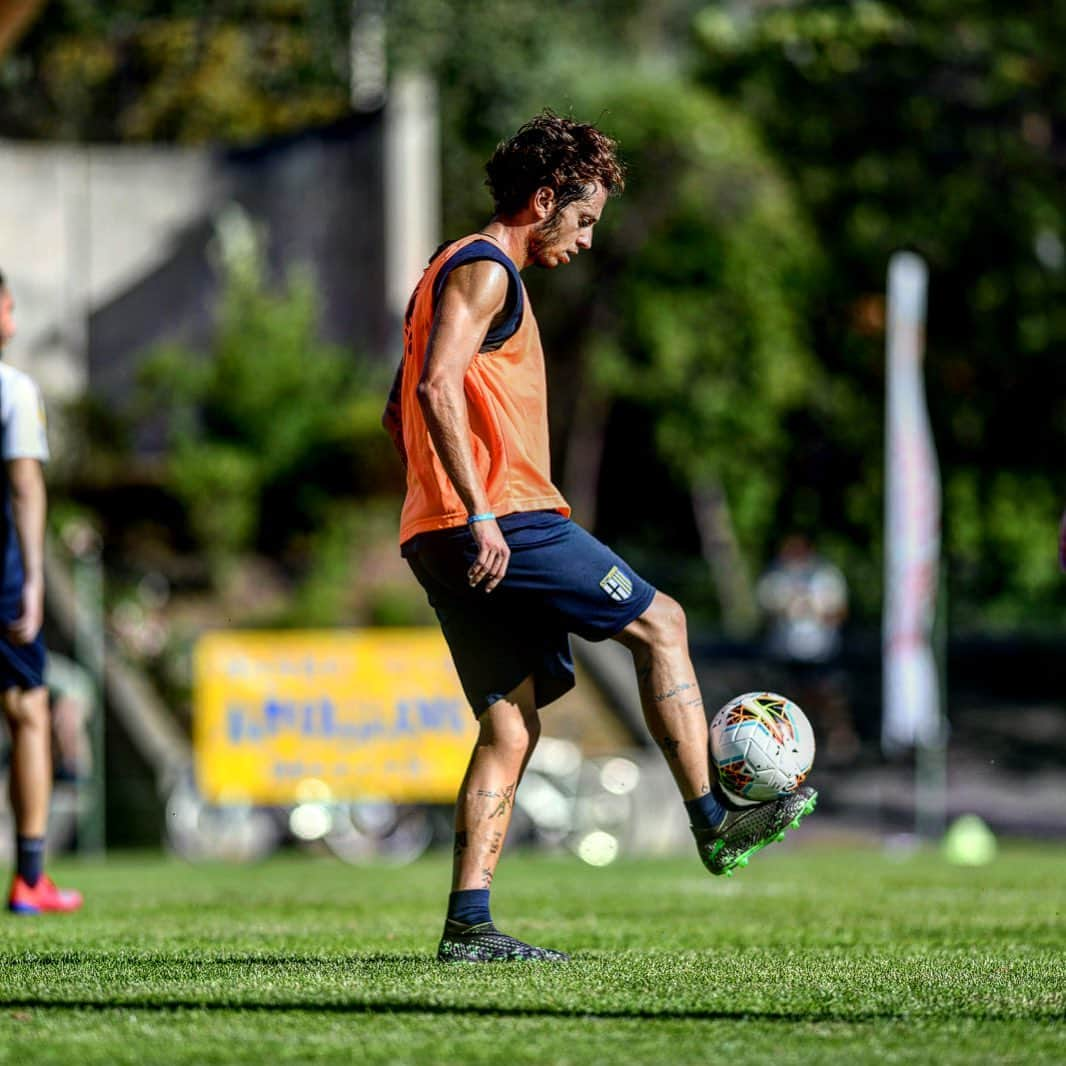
{"points": [[616, 584]]}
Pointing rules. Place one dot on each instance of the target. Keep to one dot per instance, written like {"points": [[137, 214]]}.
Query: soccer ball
{"points": [[762, 746]]}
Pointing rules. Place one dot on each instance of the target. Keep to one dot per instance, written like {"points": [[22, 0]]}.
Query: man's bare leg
{"points": [[509, 731], [669, 692], [31, 759], [726, 837], [26, 711]]}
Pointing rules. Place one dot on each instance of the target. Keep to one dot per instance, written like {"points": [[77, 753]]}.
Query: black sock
{"points": [[469, 906], [705, 811], [30, 860]]}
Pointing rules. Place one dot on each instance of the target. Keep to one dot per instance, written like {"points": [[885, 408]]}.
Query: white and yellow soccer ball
{"points": [[762, 747]]}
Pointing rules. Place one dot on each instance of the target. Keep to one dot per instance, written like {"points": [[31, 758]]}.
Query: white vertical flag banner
{"points": [[911, 715]]}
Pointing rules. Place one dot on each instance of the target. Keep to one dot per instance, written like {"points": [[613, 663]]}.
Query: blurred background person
{"points": [[70, 698], [804, 600], [24, 444]]}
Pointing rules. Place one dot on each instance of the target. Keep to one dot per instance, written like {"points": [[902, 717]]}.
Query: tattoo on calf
{"points": [[660, 697], [497, 840], [486, 877], [505, 801], [669, 746]]}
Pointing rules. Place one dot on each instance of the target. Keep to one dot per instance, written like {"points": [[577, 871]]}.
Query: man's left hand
{"points": [[493, 555], [26, 627]]}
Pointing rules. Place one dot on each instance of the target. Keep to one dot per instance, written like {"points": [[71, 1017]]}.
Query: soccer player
{"points": [[24, 445], [489, 537]]}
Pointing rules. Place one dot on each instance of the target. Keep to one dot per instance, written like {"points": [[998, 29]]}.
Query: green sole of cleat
{"points": [[743, 859]]}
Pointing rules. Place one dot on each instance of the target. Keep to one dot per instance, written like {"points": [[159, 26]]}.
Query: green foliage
{"points": [[340, 582], [930, 126], [178, 70], [273, 426], [709, 264], [1001, 538]]}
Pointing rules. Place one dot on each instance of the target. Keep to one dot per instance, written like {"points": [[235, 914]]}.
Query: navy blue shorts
{"points": [[560, 580], [21, 665]]}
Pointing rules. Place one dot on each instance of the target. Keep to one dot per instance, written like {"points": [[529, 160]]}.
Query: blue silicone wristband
{"points": [[488, 516]]}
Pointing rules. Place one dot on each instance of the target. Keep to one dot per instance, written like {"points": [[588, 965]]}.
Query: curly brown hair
{"points": [[556, 152]]}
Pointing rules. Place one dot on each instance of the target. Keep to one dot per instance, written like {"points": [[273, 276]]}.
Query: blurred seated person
{"points": [[804, 600], [70, 696]]}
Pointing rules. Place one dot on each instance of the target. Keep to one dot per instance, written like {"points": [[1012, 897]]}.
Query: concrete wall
{"points": [[106, 248]]}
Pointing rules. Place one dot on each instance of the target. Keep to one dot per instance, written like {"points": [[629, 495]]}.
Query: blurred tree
{"points": [[178, 70], [276, 429], [935, 126], [695, 315]]}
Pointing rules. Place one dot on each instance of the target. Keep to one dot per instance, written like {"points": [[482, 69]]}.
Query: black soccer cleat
{"points": [[485, 943], [750, 829]]}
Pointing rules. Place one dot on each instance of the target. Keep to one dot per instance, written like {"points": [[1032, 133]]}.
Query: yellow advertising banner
{"points": [[284, 717]]}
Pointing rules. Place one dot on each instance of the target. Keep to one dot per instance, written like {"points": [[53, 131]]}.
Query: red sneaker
{"points": [[43, 897]]}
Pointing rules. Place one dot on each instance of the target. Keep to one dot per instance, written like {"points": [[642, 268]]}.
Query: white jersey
{"points": [[23, 427]]}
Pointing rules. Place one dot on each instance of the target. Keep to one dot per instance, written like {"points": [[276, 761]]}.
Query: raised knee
{"points": [[667, 624], [27, 710]]}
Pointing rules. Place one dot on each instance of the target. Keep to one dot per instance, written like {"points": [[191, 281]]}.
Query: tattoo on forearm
{"points": [[505, 801], [669, 746], [497, 840], [460, 842], [486, 877], [675, 690]]}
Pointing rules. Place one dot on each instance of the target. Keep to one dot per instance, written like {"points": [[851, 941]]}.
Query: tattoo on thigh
{"points": [[669, 746], [460, 842], [506, 798]]}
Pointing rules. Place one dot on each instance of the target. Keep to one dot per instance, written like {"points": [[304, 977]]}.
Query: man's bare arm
{"points": [[29, 504], [472, 297]]}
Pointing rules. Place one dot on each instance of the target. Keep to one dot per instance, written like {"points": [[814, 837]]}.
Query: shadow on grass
{"points": [[425, 963], [367, 1007], [176, 1004]]}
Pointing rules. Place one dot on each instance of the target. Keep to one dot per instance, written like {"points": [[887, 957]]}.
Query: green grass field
{"points": [[814, 954]]}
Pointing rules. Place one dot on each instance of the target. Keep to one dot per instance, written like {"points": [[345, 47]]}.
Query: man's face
{"points": [[565, 233], [7, 317]]}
